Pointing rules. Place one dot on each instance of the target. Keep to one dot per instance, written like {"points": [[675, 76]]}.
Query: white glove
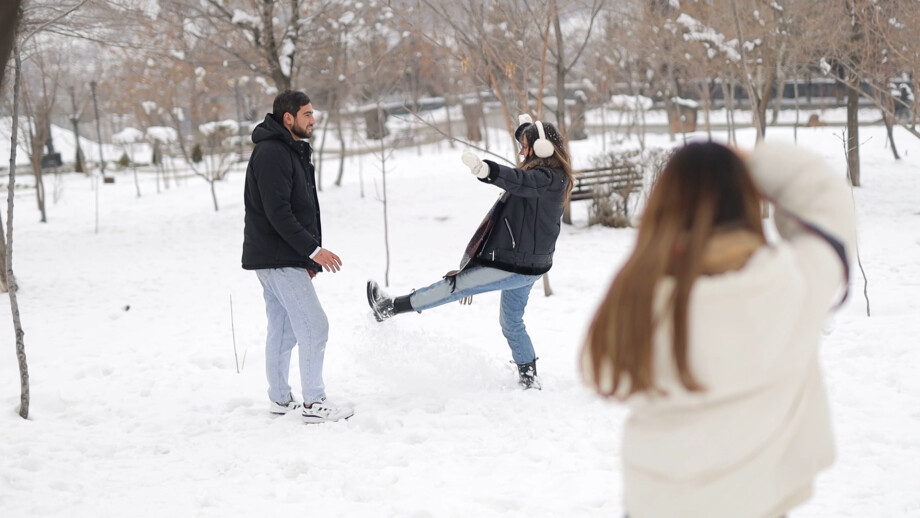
{"points": [[479, 168], [524, 119]]}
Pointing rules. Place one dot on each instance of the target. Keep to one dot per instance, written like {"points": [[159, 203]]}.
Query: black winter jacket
{"points": [[282, 223], [525, 229]]}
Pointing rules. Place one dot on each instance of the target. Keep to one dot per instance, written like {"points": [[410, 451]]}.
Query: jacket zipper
{"points": [[510, 233]]}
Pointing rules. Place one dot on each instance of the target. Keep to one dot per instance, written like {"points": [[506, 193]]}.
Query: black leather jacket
{"points": [[523, 237], [282, 224]]}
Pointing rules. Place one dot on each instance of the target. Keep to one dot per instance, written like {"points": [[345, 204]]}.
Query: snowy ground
{"points": [[138, 409]]}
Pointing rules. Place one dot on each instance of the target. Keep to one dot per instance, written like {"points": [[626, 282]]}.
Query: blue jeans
{"points": [[295, 316], [515, 288]]}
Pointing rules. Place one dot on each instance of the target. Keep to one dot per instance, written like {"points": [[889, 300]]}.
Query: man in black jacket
{"points": [[282, 242]]}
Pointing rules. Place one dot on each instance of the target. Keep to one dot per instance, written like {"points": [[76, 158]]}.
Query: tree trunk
{"points": [[4, 285], [547, 290], [270, 46], [472, 114], [915, 109], [853, 132], [37, 144], [341, 134], [706, 92], [448, 99], [852, 92], [889, 118], [889, 128], [212, 181], [375, 123], [730, 112], [560, 72], [386, 220], [9, 14], [795, 127], [75, 122], [764, 101], [780, 75], [577, 130], [753, 98], [318, 167], [14, 302]]}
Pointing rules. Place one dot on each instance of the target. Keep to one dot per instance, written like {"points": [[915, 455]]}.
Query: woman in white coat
{"points": [[710, 334]]}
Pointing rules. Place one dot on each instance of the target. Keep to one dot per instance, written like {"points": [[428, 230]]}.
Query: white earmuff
{"points": [[543, 148]]}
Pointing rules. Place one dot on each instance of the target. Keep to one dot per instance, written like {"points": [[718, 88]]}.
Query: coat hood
{"points": [[271, 129]]}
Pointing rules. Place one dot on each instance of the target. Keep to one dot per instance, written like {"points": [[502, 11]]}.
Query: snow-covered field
{"points": [[138, 408]]}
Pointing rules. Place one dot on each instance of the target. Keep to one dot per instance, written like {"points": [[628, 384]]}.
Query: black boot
{"points": [[528, 372], [382, 305]]}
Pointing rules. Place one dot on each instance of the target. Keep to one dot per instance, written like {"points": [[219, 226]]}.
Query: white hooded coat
{"points": [[751, 443]]}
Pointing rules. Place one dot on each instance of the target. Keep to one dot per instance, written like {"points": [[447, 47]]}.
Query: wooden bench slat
{"points": [[621, 179], [618, 178]]}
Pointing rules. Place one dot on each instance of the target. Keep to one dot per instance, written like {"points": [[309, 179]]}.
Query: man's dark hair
{"points": [[288, 102]]}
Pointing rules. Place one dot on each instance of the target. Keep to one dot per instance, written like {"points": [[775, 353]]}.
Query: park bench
{"points": [[622, 179]]}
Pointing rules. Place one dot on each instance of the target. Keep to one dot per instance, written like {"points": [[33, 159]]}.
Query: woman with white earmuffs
{"points": [[513, 245]]}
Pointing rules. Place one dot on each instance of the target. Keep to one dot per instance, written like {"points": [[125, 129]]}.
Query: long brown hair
{"points": [[703, 188], [558, 160]]}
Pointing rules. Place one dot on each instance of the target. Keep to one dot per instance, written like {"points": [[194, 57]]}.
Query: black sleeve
{"points": [[532, 183]]}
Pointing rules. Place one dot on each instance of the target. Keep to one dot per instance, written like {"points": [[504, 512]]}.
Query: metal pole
{"points": [[92, 86]]}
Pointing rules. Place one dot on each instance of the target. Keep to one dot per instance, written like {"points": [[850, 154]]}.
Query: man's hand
{"points": [[329, 261]]}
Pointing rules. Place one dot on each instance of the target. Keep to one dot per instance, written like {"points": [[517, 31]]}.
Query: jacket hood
{"points": [[271, 129]]}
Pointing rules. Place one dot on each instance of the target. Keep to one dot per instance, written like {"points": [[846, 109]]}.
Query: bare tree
{"points": [[621, 65], [219, 156], [378, 76], [853, 61], [879, 46], [39, 103], [38, 17], [480, 33], [9, 16], [24, 399], [271, 37], [342, 36], [565, 57]]}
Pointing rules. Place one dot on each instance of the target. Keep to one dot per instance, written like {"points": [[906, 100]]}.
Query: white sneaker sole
{"points": [[277, 409], [331, 418]]}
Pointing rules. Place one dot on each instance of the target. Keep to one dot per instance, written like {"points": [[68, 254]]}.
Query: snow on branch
{"points": [[286, 56], [246, 20], [697, 31]]}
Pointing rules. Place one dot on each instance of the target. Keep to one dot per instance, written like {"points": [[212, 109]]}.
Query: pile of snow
{"points": [[128, 135]]}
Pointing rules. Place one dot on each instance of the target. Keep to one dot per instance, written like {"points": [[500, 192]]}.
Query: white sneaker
{"points": [[284, 407], [322, 411]]}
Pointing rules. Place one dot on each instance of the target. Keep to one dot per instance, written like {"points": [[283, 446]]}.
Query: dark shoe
{"points": [[381, 304], [528, 372]]}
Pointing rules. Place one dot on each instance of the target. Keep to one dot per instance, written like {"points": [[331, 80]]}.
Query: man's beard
{"points": [[304, 132]]}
